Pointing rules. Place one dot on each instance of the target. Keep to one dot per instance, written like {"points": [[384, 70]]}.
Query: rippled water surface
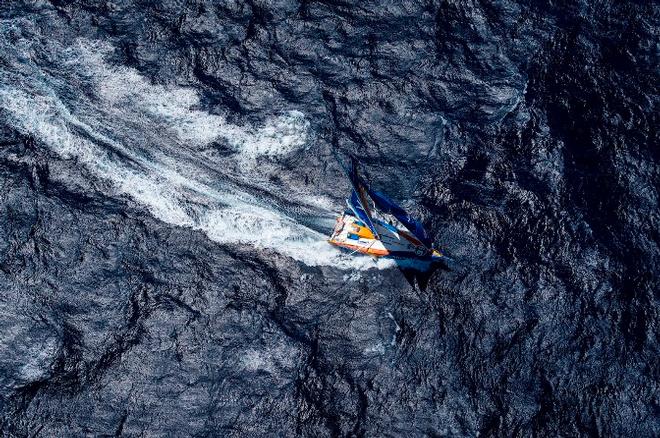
{"points": [[168, 181]]}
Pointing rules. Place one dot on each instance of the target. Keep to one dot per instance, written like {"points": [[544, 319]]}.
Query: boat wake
{"points": [[154, 144]]}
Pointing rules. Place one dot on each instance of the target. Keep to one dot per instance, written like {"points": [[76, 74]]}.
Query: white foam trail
{"points": [[125, 90], [131, 133]]}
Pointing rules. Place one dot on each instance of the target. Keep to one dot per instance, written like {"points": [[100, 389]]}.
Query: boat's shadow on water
{"points": [[418, 273]]}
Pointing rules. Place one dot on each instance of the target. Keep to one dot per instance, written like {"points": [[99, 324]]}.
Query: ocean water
{"points": [[168, 183]]}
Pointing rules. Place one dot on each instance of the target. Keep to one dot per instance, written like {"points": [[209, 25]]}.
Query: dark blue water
{"points": [[167, 181]]}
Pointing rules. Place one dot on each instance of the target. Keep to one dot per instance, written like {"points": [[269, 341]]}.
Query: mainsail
{"points": [[358, 200], [355, 204]]}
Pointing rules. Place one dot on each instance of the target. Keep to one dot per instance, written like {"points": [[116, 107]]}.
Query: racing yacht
{"points": [[375, 225]]}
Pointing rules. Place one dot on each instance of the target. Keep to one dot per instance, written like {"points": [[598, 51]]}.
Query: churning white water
{"points": [[152, 143]]}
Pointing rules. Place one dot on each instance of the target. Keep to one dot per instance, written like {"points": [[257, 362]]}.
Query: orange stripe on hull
{"points": [[369, 251]]}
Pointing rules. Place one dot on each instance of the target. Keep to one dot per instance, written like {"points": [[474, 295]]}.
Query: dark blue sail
{"points": [[386, 205]]}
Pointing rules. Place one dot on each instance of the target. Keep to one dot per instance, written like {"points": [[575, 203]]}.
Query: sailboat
{"points": [[375, 225]]}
